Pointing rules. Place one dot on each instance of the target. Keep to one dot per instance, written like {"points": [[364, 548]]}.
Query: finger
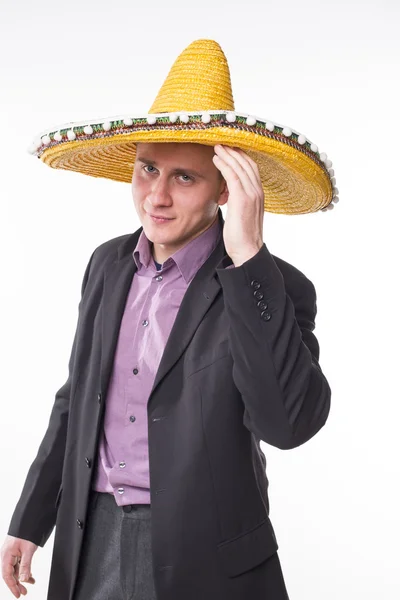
{"points": [[233, 170], [230, 175], [11, 576], [231, 158], [25, 568], [17, 574], [10, 580], [248, 164], [251, 163], [29, 580], [21, 587], [16, 569]]}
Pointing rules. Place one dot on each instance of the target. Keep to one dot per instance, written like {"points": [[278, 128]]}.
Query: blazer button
{"points": [[265, 315], [255, 284], [79, 523], [88, 461], [99, 397]]}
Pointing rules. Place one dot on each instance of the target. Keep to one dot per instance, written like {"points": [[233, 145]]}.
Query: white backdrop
{"points": [[329, 71]]}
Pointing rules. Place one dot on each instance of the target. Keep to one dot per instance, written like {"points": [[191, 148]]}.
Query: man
{"points": [[202, 341]]}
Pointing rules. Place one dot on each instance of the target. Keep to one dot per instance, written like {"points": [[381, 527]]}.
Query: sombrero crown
{"points": [[195, 105]]}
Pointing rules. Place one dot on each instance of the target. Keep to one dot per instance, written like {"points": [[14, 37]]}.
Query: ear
{"points": [[224, 194]]}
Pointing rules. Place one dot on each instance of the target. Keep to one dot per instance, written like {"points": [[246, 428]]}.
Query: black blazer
{"points": [[240, 366]]}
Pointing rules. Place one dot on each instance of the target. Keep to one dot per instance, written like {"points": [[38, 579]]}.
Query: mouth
{"points": [[159, 219]]}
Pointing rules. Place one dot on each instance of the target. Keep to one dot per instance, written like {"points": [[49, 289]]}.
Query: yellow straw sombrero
{"points": [[195, 104]]}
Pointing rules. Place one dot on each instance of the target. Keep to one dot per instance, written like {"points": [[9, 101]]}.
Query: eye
{"points": [[183, 175]]}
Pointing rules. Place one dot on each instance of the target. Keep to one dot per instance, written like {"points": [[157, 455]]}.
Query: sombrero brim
{"points": [[296, 178]]}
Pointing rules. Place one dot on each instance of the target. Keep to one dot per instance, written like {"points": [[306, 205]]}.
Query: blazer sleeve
{"points": [[35, 514], [275, 350]]}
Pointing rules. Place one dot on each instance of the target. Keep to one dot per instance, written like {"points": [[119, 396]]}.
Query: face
{"points": [[181, 182]]}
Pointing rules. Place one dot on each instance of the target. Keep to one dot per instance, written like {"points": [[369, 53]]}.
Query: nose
{"points": [[159, 194]]}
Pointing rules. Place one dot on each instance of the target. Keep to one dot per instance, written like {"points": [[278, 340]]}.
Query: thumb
{"points": [[25, 566]]}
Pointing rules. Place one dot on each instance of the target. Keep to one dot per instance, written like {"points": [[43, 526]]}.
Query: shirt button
{"points": [[121, 490], [122, 464], [132, 418], [145, 323], [99, 397], [159, 278], [135, 371]]}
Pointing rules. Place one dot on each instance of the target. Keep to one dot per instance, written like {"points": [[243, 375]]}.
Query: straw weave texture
{"points": [[294, 179]]}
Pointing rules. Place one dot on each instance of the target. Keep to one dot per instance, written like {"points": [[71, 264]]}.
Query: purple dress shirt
{"points": [[152, 304]]}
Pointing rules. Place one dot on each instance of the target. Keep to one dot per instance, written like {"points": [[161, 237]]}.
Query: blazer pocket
{"points": [[197, 363], [57, 502], [248, 550]]}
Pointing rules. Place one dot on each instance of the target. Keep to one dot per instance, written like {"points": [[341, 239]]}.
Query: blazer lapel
{"points": [[197, 300]]}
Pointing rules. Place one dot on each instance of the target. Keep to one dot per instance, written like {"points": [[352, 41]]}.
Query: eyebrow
{"points": [[176, 170]]}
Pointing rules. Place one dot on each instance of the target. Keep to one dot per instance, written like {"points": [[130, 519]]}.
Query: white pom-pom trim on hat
{"points": [[230, 116]]}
